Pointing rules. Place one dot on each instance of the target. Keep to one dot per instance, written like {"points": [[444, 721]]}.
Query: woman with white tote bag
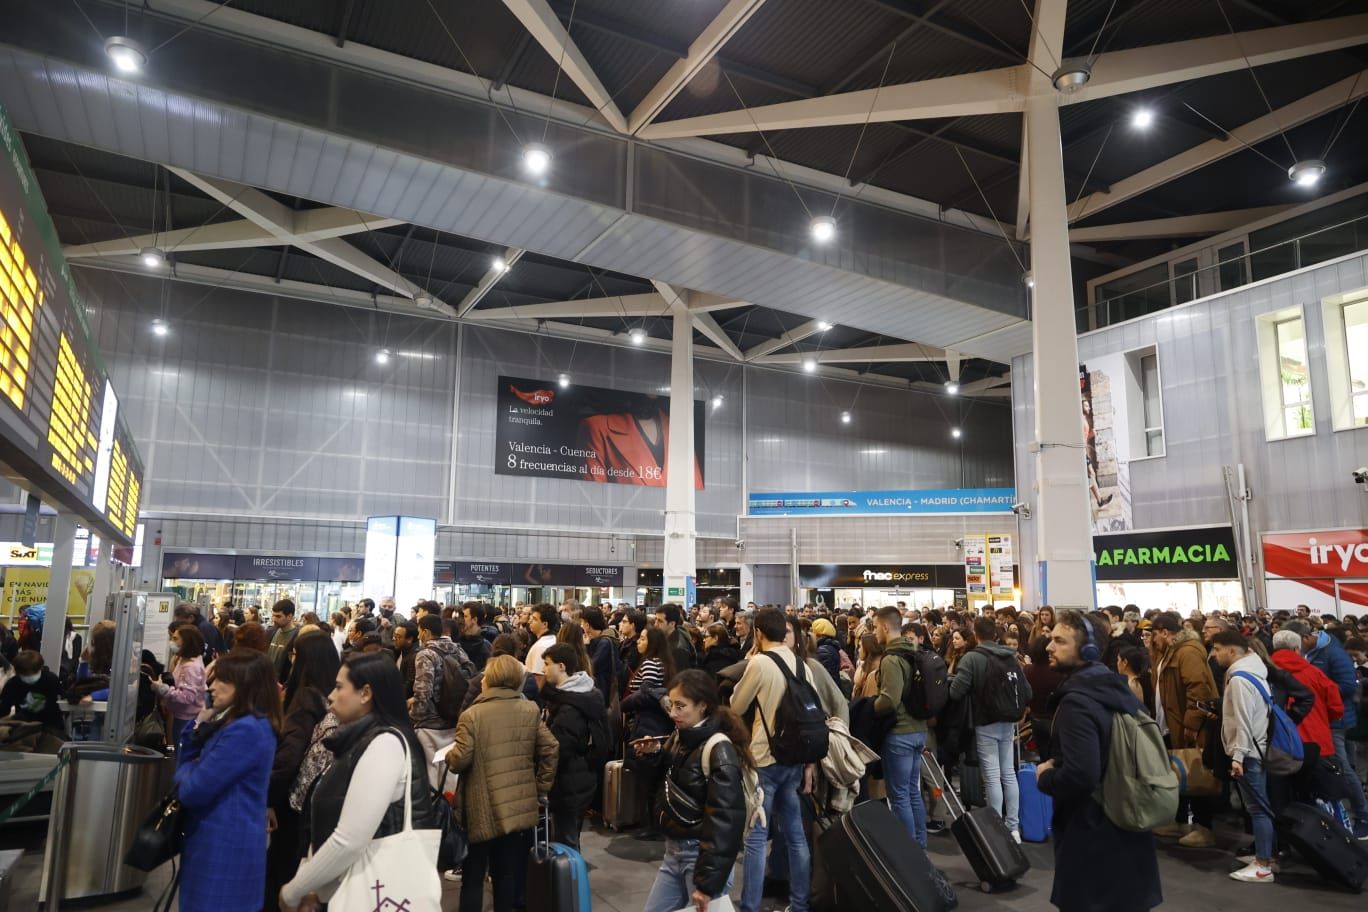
{"points": [[359, 819]]}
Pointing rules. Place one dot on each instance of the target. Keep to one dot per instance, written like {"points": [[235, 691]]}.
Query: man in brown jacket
{"points": [[1182, 679]]}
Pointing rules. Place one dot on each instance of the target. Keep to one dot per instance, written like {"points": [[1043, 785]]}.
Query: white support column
{"points": [[1063, 527], [681, 533], [59, 585], [104, 580]]}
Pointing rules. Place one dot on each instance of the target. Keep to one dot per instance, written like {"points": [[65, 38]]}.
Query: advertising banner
{"points": [[1106, 441], [25, 586], [341, 569], [263, 567], [976, 565], [1205, 553], [1000, 566], [882, 576], [586, 433], [1325, 570], [873, 503], [176, 565]]}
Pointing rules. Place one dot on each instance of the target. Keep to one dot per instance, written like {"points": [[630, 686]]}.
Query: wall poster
{"points": [[1106, 442], [976, 565]]}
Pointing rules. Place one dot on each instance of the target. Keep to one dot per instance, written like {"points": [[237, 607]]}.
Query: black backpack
{"points": [[1003, 694], [456, 672], [928, 683], [800, 733]]}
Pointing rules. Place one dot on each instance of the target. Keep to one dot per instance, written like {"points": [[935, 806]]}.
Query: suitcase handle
{"points": [[542, 847], [953, 803]]}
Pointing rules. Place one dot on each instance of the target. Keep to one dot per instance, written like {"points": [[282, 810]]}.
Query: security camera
{"points": [[740, 544], [1361, 475], [959, 543], [1022, 509]]}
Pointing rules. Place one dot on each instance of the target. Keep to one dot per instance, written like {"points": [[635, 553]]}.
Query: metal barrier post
{"points": [[52, 902]]}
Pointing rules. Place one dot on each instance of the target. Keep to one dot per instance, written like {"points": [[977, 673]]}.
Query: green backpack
{"points": [[1139, 787]]}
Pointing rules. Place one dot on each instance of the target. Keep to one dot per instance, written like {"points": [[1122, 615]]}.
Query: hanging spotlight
{"points": [[1071, 77], [126, 54], [1142, 118], [536, 159], [823, 229], [637, 335], [955, 432], [809, 364], [823, 326], [717, 402], [1029, 279], [845, 417], [1307, 173], [500, 265], [563, 380], [382, 356], [159, 328], [152, 257], [423, 299], [951, 388]]}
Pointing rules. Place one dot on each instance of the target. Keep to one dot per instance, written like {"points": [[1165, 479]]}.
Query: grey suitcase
{"points": [[621, 798]]}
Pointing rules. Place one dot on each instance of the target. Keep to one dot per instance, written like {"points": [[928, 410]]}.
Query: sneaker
{"points": [[1253, 873], [1361, 830], [1199, 838], [1016, 835], [1248, 860], [935, 826], [453, 876], [1171, 830]]}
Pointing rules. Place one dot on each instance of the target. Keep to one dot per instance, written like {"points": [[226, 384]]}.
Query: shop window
{"points": [[1145, 403], [1346, 355], [1285, 374]]}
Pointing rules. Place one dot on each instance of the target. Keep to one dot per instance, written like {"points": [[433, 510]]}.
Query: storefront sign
{"points": [[260, 567], [976, 565], [1326, 570], [865, 576], [488, 573], [263, 567], [1206, 553], [586, 433], [869, 503]]}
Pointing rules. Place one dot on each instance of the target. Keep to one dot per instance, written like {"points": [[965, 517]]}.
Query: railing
{"points": [[1305, 250]]}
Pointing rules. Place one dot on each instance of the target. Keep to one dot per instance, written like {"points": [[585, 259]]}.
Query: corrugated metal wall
{"points": [[1213, 413], [866, 539]]}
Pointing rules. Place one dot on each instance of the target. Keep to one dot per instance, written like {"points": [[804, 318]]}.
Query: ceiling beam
{"points": [[679, 301], [488, 281], [1180, 226], [790, 338], [1119, 72], [236, 234], [636, 305], [987, 383], [539, 19], [1328, 99], [701, 302], [723, 26], [952, 365], [899, 352], [706, 323]]}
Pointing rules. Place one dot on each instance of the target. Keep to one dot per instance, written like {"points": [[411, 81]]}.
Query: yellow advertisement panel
{"points": [[26, 586]]}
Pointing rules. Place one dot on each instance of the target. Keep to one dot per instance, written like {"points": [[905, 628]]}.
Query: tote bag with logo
{"points": [[394, 872]]}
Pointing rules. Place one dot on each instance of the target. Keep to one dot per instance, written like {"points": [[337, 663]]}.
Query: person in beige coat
{"points": [[506, 757]]}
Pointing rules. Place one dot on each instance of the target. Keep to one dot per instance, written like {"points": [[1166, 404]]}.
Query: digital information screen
{"points": [[61, 434]]}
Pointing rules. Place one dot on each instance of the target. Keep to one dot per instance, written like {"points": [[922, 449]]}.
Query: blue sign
{"points": [[866, 503]]}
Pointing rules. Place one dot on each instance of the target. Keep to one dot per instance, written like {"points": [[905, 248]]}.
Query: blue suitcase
{"points": [[557, 877], [1037, 808]]}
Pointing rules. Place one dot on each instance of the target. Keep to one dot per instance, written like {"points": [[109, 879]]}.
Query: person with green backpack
{"points": [[1109, 777]]}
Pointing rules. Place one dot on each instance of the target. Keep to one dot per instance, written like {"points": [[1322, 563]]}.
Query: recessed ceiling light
{"points": [[536, 158], [845, 417], [159, 328], [823, 229], [126, 54], [637, 335], [1071, 77], [382, 356], [499, 265], [955, 432], [717, 401], [1307, 173], [951, 388], [809, 364], [1029, 279], [152, 257], [1142, 118], [823, 326], [563, 380]]}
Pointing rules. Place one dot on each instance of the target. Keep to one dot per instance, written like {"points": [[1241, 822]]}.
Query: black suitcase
{"points": [[1325, 845], [997, 858], [874, 864], [557, 877]]}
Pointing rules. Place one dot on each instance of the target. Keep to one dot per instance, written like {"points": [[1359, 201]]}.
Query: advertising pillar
{"points": [[681, 532], [399, 559]]}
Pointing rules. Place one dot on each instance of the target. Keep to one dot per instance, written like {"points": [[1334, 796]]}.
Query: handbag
{"points": [[158, 839], [394, 872], [453, 844], [1194, 778]]}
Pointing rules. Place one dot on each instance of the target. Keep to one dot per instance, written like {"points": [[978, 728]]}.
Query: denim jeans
{"points": [[1358, 805], [780, 785], [998, 765], [674, 882], [902, 760], [1254, 794]]}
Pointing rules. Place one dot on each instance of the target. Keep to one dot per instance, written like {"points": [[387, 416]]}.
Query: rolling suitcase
{"points": [[557, 877], [874, 863], [1037, 808], [621, 801], [995, 856], [1325, 845]]}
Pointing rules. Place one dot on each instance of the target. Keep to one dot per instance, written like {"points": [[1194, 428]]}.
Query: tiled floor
{"points": [[622, 869]]}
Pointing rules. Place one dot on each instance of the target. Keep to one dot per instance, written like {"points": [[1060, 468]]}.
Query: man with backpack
{"points": [[899, 670], [441, 677], [575, 714], [788, 736], [1090, 707], [993, 678]]}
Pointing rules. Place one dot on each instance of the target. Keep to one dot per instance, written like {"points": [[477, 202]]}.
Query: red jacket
{"points": [[1315, 728]]}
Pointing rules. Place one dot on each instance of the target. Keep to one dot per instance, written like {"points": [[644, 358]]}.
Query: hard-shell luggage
{"points": [[971, 785], [874, 864], [621, 800], [1320, 840], [557, 877], [1037, 808], [997, 858]]}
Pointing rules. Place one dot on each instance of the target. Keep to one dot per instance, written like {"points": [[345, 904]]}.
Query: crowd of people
{"points": [[728, 732]]}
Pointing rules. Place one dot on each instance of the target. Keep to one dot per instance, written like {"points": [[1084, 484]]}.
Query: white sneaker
{"points": [[453, 875], [1253, 873], [1249, 860], [1016, 834]]}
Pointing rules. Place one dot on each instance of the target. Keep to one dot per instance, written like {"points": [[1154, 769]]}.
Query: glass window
{"points": [[1356, 346], [1233, 271], [1185, 281], [1153, 406], [1294, 376]]}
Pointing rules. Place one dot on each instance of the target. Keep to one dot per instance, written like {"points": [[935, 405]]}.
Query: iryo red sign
{"points": [[1335, 554]]}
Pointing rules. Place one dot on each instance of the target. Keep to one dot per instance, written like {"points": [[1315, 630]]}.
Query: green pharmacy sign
{"points": [[1204, 553]]}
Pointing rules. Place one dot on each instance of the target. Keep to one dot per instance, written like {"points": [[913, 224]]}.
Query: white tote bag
{"points": [[394, 872]]}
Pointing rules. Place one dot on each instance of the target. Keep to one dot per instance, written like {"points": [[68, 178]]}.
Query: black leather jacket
{"points": [[720, 799]]}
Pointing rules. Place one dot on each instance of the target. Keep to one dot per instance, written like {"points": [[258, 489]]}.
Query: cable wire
{"points": [[1255, 77], [182, 31], [1001, 230]]}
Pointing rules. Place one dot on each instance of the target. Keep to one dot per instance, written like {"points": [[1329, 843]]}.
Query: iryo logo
{"points": [[536, 397], [1345, 554]]}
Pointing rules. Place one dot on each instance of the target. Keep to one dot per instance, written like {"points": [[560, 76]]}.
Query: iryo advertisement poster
{"points": [[586, 433]]}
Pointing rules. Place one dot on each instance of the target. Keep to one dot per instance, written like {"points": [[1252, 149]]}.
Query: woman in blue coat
{"points": [[221, 779]]}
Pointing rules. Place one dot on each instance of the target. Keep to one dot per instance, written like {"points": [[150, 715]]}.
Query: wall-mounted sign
{"points": [[1205, 553], [1000, 571], [262, 567], [868, 503], [489, 573], [586, 433], [881, 576], [976, 565], [1324, 570]]}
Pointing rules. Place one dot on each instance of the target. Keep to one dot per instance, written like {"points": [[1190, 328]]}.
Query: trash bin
{"points": [[99, 800]]}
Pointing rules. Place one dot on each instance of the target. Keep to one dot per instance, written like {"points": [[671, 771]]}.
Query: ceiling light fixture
{"points": [[422, 299], [152, 257], [955, 432], [536, 159], [1142, 118], [823, 229], [845, 417], [809, 364], [126, 54], [1029, 279], [823, 326], [637, 335], [382, 356], [159, 328], [500, 265], [1071, 77], [951, 388], [1307, 173], [717, 401], [564, 381]]}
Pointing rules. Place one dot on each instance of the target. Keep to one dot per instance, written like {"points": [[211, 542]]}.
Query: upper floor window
{"points": [[1285, 373], [1345, 317]]}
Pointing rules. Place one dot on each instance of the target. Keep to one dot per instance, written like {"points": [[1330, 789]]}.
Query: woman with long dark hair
{"points": [[313, 672], [573, 636], [222, 790], [867, 672], [646, 721], [361, 796], [1134, 664], [184, 697], [701, 801]]}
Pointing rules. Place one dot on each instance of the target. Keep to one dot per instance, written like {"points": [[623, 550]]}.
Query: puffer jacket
{"points": [[721, 799], [570, 710], [1185, 678], [507, 757], [829, 655], [1327, 708], [1329, 656]]}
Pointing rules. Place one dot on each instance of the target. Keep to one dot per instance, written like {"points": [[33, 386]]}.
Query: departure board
{"points": [[61, 433]]}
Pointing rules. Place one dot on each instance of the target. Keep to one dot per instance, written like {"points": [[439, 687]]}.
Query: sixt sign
{"points": [[1201, 553]]}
